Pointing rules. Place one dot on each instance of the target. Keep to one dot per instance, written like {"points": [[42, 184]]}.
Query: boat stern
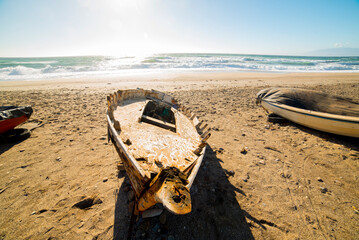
{"points": [[168, 188]]}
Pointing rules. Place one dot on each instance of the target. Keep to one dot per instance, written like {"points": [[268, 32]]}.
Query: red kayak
{"points": [[12, 116]]}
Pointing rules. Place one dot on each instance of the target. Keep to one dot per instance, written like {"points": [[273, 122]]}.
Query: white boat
{"points": [[161, 145], [313, 109]]}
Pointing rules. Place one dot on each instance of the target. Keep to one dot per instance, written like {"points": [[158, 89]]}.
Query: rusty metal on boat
{"points": [[161, 145]]}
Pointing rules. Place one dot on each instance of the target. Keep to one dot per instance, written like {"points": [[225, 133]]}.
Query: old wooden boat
{"points": [[161, 145], [313, 109], [12, 116]]}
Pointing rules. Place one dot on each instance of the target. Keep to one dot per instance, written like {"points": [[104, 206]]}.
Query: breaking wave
{"points": [[83, 66]]}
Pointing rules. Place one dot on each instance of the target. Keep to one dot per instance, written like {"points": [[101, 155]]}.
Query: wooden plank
{"points": [[205, 134], [198, 125], [158, 122], [195, 121], [195, 169], [167, 99], [157, 94], [121, 145]]}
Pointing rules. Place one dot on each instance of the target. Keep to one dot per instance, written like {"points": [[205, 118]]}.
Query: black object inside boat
{"points": [[159, 114]]}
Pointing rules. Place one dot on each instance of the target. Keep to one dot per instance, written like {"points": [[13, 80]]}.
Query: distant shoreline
{"points": [[48, 68], [202, 80]]}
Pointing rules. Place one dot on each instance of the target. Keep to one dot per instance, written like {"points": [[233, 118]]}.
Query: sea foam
{"points": [[83, 66]]}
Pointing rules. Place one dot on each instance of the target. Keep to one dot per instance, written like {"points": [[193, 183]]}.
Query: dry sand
{"points": [[277, 190]]}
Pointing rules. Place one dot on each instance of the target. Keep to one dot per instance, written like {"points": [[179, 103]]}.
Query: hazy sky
{"points": [[126, 27]]}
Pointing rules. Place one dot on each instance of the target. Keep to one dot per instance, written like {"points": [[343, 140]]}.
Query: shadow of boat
{"points": [[349, 142], [8, 140], [215, 213]]}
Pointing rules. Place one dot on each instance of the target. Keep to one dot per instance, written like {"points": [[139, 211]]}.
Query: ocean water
{"points": [[84, 66]]}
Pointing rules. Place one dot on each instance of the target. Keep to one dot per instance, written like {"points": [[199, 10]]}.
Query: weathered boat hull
{"points": [[170, 186], [326, 122]]}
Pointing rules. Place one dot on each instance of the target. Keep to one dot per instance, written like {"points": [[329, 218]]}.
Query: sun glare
{"points": [[124, 26]]}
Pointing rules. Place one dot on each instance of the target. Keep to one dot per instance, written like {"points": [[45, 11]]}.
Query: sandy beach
{"points": [[292, 183]]}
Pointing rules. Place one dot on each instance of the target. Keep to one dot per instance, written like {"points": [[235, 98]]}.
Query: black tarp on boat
{"points": [[8, 112], [310, 100]]}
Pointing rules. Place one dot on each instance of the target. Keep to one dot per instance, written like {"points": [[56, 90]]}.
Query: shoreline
{"points": [[173, 81]]}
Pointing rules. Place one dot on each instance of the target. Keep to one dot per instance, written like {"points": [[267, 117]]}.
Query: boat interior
{"points": [[159, 114], [156, 134]]}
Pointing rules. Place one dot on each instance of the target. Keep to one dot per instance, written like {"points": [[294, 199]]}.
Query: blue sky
{"points": [[126, 27]]}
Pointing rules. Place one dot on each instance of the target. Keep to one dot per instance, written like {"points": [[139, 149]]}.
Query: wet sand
{"points": [[292, 183]]}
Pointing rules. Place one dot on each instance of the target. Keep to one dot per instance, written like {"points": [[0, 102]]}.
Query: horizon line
{"points": [[189, 53]]}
